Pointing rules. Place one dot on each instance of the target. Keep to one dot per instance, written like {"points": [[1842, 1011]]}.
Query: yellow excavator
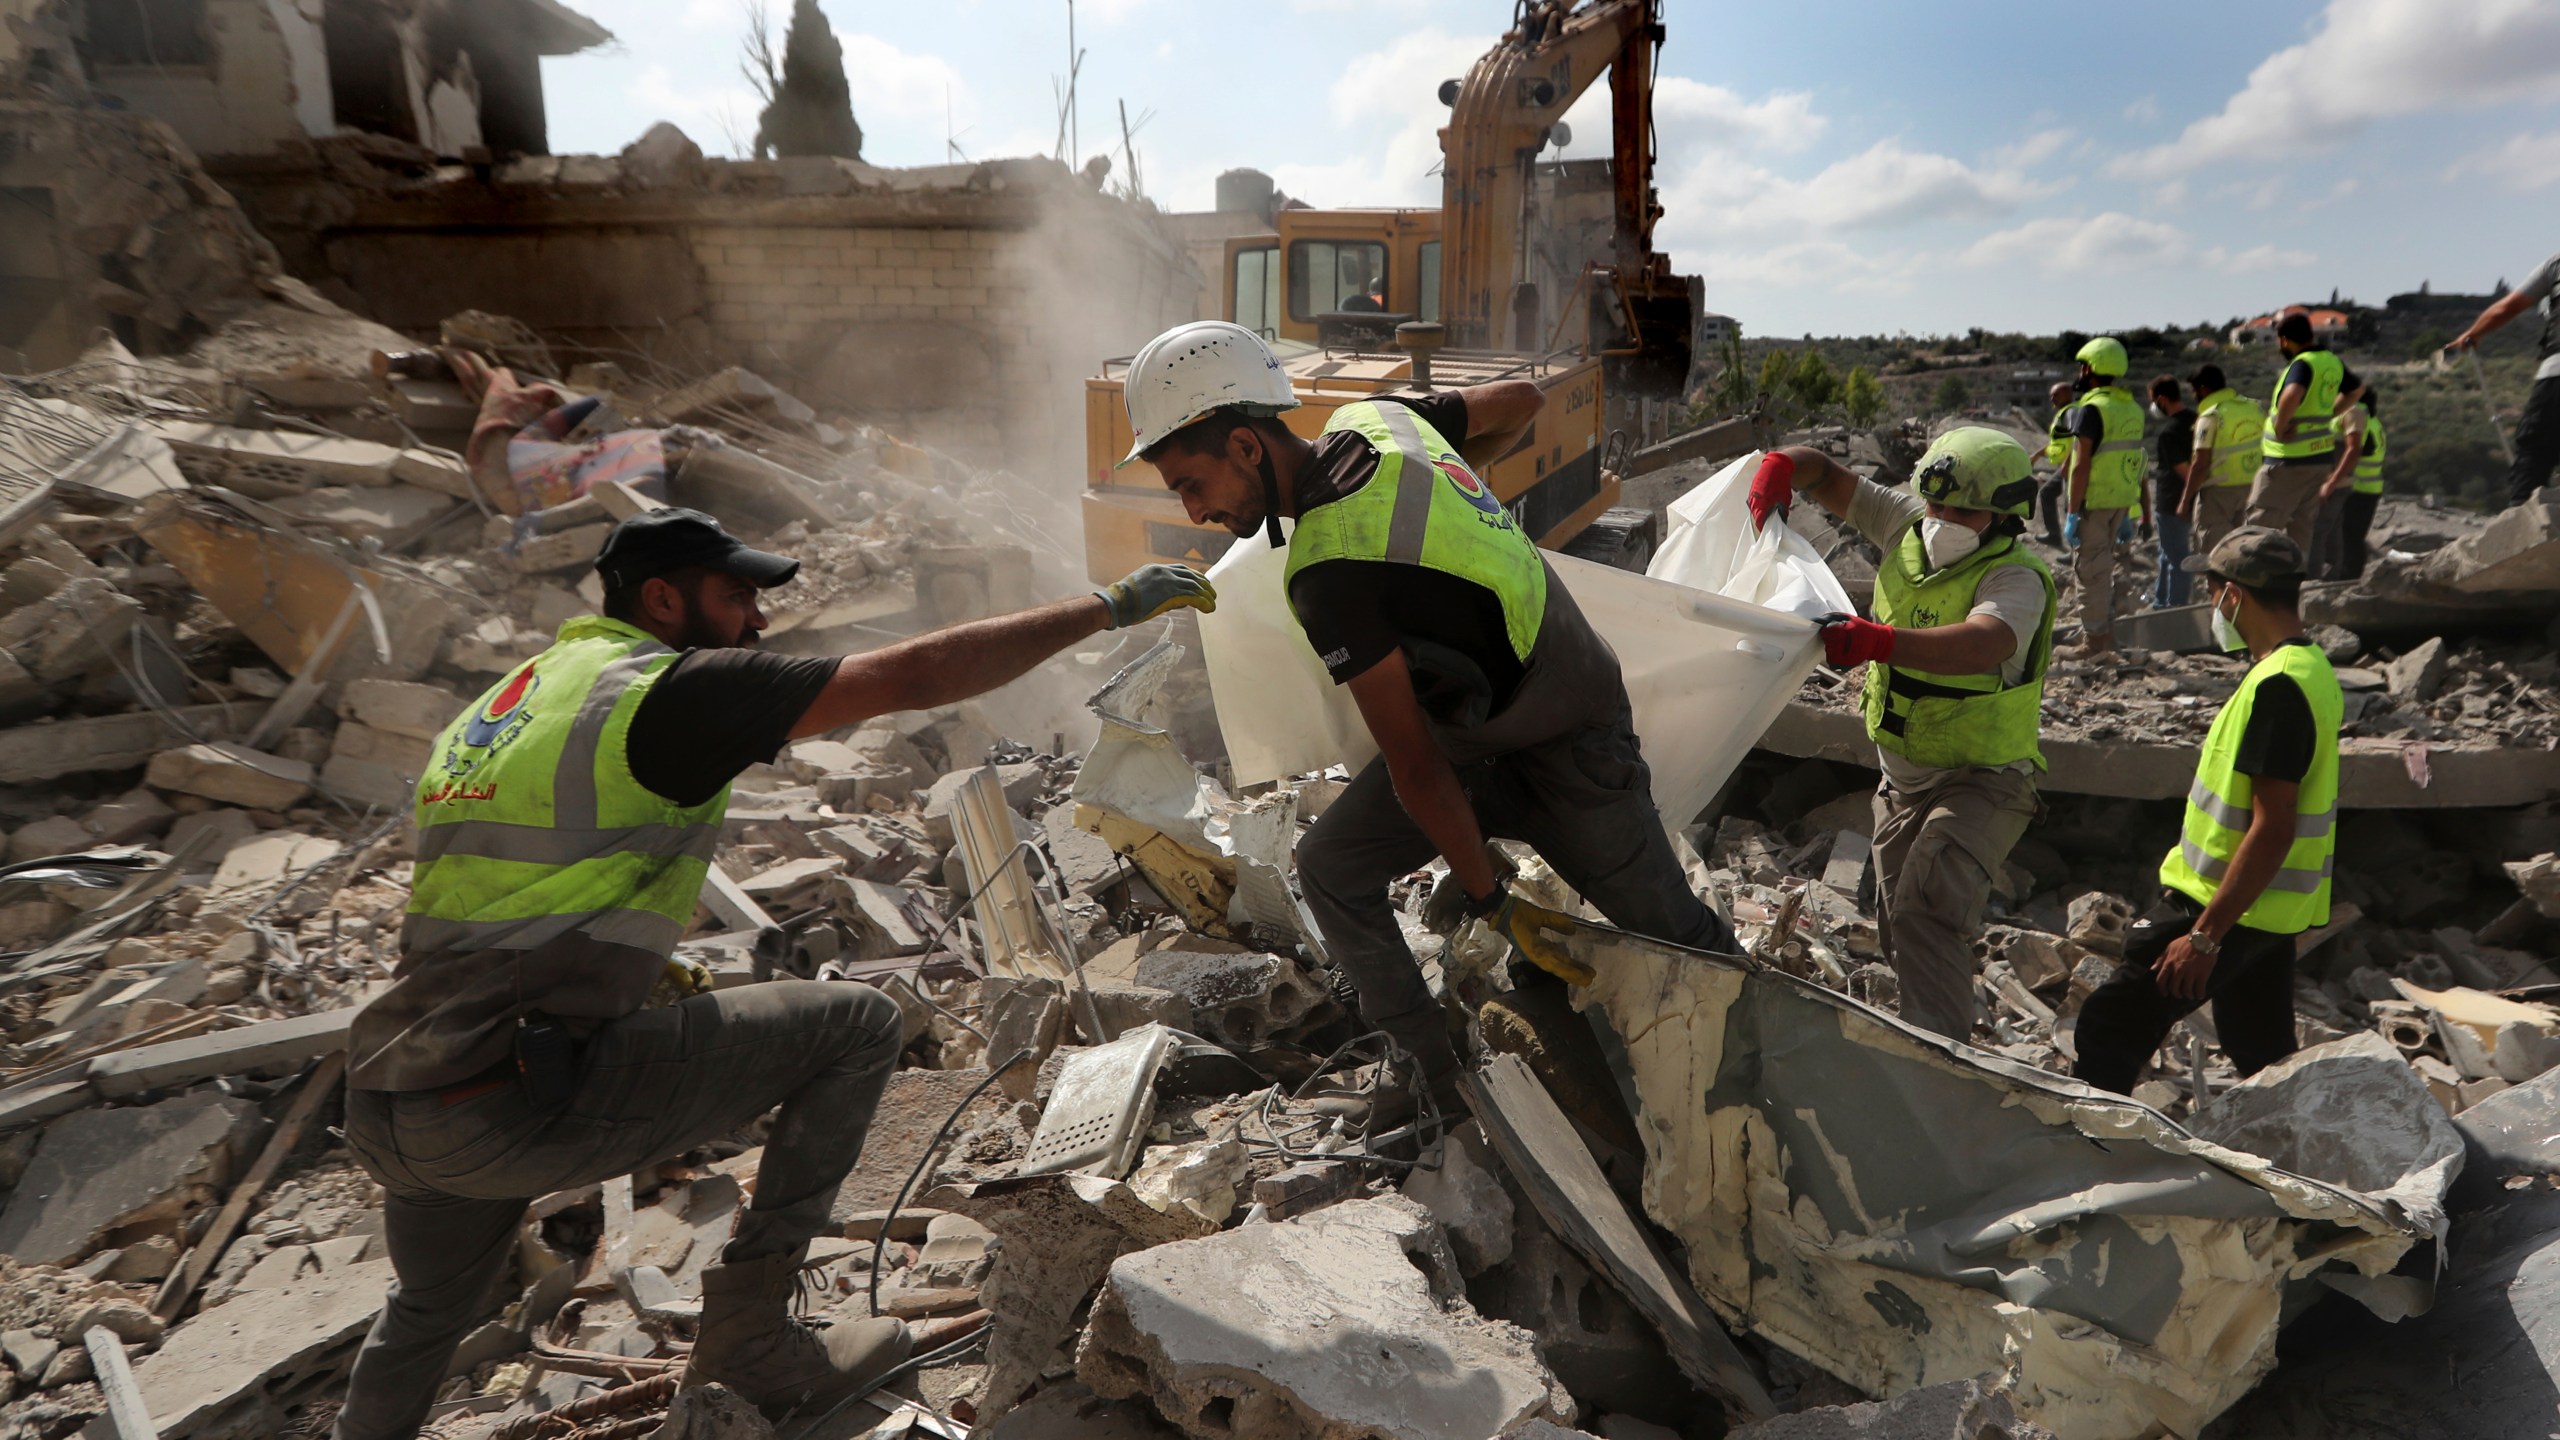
{"points": [[1544, 271]]}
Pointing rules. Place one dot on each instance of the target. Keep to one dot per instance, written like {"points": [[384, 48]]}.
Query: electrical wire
{"points": [[879, 1245]]}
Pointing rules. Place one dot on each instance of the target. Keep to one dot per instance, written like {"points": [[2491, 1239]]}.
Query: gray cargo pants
{"points": [[650, 1085], [1937, 853], [1583, 800]]}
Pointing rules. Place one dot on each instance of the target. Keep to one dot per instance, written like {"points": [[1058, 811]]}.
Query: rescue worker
{"points": [[1496, 708], [539, 1035], [1956, 659], [2363, 481], [2226, 458], [2251, 868], [2297, 445], [2105, 486], [2173, 458], [2329, 527], [2057, 455]]}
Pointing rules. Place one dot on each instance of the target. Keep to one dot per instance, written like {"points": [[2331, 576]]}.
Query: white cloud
{"points": [[1822, 264], [2145, 111], [2525, 162], [2114, 243], [1391, 91], [2369, 60], [2034, 150], [1883, 185], [895, 86]]}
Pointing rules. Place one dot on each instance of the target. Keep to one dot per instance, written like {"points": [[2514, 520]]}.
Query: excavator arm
{"points": [[1501, 116]]}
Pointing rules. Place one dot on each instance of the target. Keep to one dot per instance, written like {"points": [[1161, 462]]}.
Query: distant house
{"points": [[1712, 333], [2328, 327], [2028, 386], [460, 78]]}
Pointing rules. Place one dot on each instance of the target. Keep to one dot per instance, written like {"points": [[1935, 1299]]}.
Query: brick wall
{"points": [[784, 289]]}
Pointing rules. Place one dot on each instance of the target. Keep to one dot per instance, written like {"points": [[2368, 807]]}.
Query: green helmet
{"points": [[1975, 468], [2104, 355]]}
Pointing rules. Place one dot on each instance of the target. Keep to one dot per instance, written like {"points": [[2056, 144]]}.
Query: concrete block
{"points": [[2099, 921], [53, 835], [1317, 1291], [369, 782], [937, 806], [97, 1171], [55, 748], [229, 827], [1239, 1000], [2033, 956], [2419, 674], [1086, 865], [134, 815], [213, 1374], [269, 858], [359, 741], [269, 1045], [2518, 550], [231, 773], [402, 707]]}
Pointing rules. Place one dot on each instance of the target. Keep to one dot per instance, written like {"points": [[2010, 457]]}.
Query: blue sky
{"points": [[1829, 167]]}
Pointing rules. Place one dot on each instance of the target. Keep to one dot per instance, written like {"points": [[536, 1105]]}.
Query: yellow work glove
{"points": [[1151, 590], [1536, 932], [681, 980]]}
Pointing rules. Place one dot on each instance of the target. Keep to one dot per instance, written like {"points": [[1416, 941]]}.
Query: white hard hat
{"points": [[1192, 369]]}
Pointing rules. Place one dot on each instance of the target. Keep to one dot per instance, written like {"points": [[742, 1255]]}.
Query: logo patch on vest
{"points": [[496, 723], [1467, 483]]}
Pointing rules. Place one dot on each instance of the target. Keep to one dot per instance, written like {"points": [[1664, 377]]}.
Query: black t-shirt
{"points": [[2088, 423], [1355, 611], [2177, 447], [2281, 736], [716, 712]]}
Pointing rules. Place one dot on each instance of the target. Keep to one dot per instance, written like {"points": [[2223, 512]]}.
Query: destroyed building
{"points": [[253, 559]]}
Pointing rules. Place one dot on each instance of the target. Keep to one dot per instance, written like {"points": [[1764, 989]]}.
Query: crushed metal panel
{"points": [[1901, 1210], [1100, 1107]]}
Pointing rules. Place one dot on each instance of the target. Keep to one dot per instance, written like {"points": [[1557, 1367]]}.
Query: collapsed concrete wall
{"points": [[960, 304]]}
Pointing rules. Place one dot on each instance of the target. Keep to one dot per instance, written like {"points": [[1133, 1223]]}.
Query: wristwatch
{"points": [[2208, 946]]}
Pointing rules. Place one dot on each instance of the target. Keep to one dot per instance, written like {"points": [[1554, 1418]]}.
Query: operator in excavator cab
{"points": [[1496, 707]]}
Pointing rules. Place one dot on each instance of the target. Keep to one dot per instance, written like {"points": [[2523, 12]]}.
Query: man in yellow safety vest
{"points": [[1496, 708], [2298, 444], [2106, 485], [2251, 867], [1956, 658], [2226, 458], [539, 1034]]}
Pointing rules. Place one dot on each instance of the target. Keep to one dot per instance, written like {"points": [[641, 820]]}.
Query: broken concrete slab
{"points": [[232, 774], [1059, 1235], [227, 1373], [96, 1172], [912, 1107], [267, 1046], [2518, 550], [1895, 1207], [1976, 1409], [1542, 1151], [1464, 1193], [265, 860], [1254, 1331], [50, 749], [403, 707], [2538, 879]]}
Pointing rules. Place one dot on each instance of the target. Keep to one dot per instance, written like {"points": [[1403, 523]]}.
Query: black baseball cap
{"points": [[656, 542]]}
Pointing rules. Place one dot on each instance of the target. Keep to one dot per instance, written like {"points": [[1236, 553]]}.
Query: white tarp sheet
{"points": [[1708, 662]]}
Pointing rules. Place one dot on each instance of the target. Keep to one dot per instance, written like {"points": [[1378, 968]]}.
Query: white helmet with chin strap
{"points": [[1187, 372]]}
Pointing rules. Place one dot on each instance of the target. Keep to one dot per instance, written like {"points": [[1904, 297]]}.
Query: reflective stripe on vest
{"points": [[2377, 443], [2115, 470], [2238, 425], [531, 826], [2218, 808], [1954, 721], [1423, 505], [2311, 437]]}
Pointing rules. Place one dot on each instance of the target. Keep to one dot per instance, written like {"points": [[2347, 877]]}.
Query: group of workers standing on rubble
{"points": [[541, 1034]]}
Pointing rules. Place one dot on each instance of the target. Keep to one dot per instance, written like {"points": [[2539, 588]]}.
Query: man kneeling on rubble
{"points": [[1956, 660], [2251, 871], [540, 1036], [1496, 708]]}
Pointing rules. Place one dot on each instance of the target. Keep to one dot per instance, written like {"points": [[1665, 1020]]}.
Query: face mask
{"points": [[1947, 542], [2084, 384], [2226, 632]]}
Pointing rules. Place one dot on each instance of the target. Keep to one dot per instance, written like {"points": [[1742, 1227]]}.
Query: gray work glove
{"points": [[1151, 590]]}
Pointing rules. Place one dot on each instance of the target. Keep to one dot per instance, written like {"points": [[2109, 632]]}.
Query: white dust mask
{"points": [[2226, 632], [1947, 542]]}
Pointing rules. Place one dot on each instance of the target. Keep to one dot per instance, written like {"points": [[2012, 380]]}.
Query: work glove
{"points": [[1151, 590], [2071, 530], [1848, 640], [1522, 922], [1773, 488], [682, 979], [2145, 530]]}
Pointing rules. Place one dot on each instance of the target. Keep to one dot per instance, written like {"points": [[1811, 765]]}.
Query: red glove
{"points": [[1848, 640], [1773, 487]]}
